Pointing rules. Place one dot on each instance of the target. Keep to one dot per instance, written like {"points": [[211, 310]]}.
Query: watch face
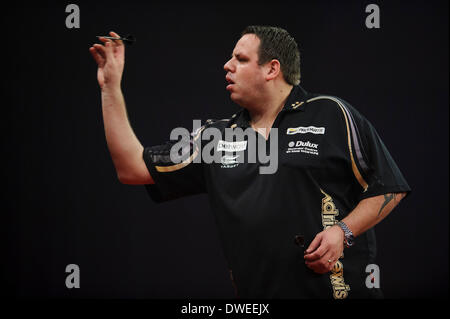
{"points": [[350, 241]]}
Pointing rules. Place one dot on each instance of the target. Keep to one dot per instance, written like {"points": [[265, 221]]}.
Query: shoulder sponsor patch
{"points": [[305, 129]]}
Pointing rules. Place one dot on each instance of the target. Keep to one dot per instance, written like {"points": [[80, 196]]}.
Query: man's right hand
{"points": [[110, 59], [125, 149]]}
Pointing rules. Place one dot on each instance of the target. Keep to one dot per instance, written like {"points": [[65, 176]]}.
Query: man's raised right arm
{"points": [[125, 149]]}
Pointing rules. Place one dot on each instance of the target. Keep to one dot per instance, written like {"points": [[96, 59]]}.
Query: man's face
{"points": [[244, 76]]}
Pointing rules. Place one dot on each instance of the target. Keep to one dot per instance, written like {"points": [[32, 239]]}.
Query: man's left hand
{"points": [[325, 250]]}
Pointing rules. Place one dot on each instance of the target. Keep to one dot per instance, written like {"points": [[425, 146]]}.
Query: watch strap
{"points": [[348, 234]]}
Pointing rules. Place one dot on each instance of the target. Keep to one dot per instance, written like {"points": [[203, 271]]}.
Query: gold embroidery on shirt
{"points": [[329, 213]]}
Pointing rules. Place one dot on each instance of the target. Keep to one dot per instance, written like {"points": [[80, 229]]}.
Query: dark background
{"points": [[62, 203]]}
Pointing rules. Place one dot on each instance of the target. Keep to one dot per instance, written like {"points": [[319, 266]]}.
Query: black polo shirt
{"points": [[329, 159]]}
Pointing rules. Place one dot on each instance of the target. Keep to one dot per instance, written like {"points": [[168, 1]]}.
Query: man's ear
{"points": [[273, 69]]}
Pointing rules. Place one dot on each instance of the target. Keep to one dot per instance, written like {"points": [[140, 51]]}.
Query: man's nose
{"points": [[227, 66]]}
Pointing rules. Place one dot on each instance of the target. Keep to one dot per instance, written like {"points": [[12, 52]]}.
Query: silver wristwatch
{"points": [[349, 239]]}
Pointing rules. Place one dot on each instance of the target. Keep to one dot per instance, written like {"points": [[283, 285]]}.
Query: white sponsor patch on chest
{"points": [[231, 146], [305, 129]]}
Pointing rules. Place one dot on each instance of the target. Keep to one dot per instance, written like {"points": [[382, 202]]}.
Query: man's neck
{"points": [[265, 114]]}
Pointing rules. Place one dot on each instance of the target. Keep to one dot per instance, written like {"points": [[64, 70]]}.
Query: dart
{"points": [[129, 39]]}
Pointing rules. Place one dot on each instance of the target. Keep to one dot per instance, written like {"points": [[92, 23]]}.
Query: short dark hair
{"points": [[277, 43]]}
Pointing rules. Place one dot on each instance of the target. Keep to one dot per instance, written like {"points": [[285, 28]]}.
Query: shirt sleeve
{"points": [[371, 159], [175, 178]]}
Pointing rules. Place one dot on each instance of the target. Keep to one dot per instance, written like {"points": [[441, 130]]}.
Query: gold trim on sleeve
{"points": [[355, 169]]}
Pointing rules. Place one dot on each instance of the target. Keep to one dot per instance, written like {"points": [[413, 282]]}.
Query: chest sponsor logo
{"points": [[303, 147], [229, 161], [231, 146], [305, 129]]}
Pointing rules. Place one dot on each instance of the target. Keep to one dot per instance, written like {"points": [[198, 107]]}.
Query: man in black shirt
{"points": [[283, 230]]}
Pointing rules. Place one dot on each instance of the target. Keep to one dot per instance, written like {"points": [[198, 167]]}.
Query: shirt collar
{"points": [[295, 102], [296, 99]]}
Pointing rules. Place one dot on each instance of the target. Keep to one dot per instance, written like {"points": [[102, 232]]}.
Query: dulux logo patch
{"points": [[303, 147]]}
